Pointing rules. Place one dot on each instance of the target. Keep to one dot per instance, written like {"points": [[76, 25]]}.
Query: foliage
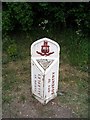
{"points": [[12, 51], [78, 52], [75, 48], [17, 16], [44, 18], [28, 15], [78, 15], [10, 46], [7, 24], [6, 40], [5, 59]]}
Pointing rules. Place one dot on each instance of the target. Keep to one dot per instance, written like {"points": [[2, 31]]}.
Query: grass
{"points": [[9, 80], [76, 48], [22, 98], [76, 97], [73, 46], [74, 52]]}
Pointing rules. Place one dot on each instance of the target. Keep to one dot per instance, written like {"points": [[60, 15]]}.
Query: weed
{"points": [[6, 98], [22, 98], [74, 51], [5, 59], [75, 95], [9, 80], [74, 47], [12, 51], [11, 48]]}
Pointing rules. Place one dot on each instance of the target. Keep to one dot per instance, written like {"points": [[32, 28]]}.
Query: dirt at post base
{"points": [[32, 108], [23, 105]]}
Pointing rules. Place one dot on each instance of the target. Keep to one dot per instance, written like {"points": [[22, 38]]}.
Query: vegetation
{"points": [[67, 24], [73, 83], [27, 15], [49, 17]]}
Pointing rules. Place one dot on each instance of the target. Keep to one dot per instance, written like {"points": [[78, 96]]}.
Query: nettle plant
{"points": [[12, 51], [10, 47]]}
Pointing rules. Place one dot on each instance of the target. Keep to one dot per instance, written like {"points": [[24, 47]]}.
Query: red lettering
{"points": [[39, 82], [48, 88], [53, 81], [48, 80], [38, 85], [35, 82]]}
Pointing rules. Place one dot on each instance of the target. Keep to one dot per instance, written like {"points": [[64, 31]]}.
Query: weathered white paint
{"points": [[44, 69]]}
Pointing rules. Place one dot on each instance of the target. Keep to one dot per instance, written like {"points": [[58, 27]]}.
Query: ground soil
{"points": [[31, 108], [28, 106]]}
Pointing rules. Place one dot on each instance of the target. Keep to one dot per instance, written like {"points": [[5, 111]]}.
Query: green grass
{"points": [[8, 82], [6, 99], [74, 51], [22, 98], [9, 79], [75, 95], [73, 46]]}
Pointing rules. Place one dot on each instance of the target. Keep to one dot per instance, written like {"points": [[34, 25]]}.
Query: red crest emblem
{"points": [[45, 51]]}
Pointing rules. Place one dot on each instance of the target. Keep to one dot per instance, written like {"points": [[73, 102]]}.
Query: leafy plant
{"points": [[7, 24], [22, 98], [10, 47], [12, 51], [25, 16], [6, 41], [16, 15]]}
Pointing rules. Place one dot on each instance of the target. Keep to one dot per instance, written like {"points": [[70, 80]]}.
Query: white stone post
{"points": [[44, 69]]}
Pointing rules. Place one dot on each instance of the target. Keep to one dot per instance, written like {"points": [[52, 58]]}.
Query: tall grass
{"points": [[74, 50], [74, 47]]}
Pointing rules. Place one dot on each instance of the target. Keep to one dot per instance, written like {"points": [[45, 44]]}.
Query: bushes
{"points": [[28, 16], [7, 24], [12, 51], [10, 47], [76, 49], [17, 16], [78, 16], [25, 16]]}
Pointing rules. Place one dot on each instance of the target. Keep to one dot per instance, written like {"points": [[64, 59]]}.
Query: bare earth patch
{"points": [[31, 108], [23, 105]]}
